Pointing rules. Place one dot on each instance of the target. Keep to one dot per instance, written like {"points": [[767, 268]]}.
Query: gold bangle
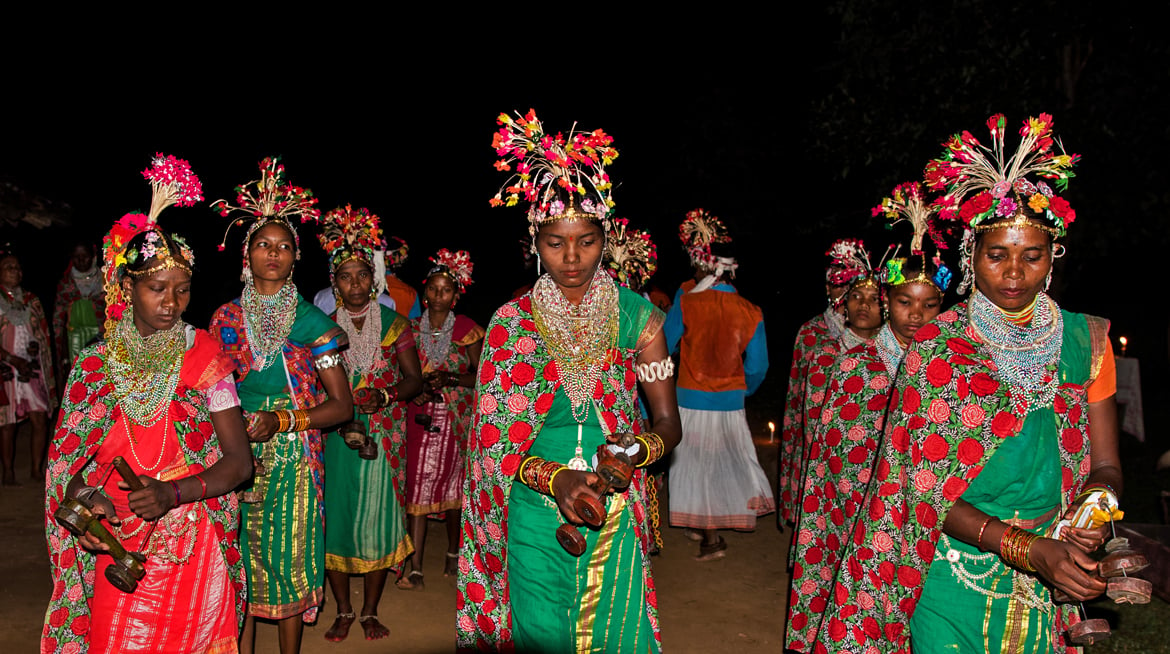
{"points": [[1015, 546], [553, 478], [655, 447]]}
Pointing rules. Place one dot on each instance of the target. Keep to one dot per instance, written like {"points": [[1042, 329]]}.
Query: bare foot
{"points": [[451, 569], [712, 551], [374, 629], [412, 581], [340, 629]]}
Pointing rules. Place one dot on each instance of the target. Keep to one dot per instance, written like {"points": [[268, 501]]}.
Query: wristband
{"points": [[654, 445], [202, 487], [537, 473], [178, 497], [1015, 546]]}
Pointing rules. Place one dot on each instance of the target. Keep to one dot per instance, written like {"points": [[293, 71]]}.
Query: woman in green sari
{"points": [[291, 385], [367, 481], [557, 381], [1004, 422]]}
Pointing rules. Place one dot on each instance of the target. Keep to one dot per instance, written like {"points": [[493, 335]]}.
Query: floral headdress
{"points": [[630, 256], [456, 266], [698, 232], [545, 163], [272, 200], [851, 267], [985, 191], [907, 203], [348, 235], [398, 256], [171, 182]]}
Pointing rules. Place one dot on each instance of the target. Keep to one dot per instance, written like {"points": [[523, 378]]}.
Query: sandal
{"points": [[452, 567], [412, 581], [373, 628], [716, 550], [340, 629]]}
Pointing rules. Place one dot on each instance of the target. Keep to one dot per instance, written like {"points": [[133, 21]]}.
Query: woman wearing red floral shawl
{"points": [[1004, 421], [159, 394], [556, 384]]}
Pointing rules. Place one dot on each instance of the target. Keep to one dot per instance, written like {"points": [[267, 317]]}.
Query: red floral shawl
{"points": [[517, 380], [88, 412], [948, 414]]}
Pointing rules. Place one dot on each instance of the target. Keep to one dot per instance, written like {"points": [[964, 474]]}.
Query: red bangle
{"points": [[202, 486], [979, 541], [178, 497]]}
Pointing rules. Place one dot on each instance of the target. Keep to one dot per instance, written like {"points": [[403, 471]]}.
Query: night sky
{"points": [[790, 131]]}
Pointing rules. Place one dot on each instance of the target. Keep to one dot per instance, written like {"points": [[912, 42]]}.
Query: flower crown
{"points": [[907, 204], [575, 164], [350, 234], [456, 266], [273, 199], [172, 182], [982, 186], [698, 232], [631, 258], [849, 260]]}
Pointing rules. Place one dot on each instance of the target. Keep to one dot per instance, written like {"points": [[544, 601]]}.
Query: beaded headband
{"points": [[982, 187], [272, 200], [456, 266], [545, 163], [631, 258], [172, 182], [698, 232], [907, 204]]}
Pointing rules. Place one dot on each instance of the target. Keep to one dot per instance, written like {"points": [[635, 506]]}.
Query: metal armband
{"points": [[656, 371]]}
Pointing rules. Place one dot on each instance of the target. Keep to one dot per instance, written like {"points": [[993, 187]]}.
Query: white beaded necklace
{"points": [[365, 344]]}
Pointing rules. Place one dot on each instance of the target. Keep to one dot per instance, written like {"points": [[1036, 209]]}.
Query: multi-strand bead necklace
{"points": [[1027, 356], [268, 320], [365, 344], [145, 371], [436, 343]]}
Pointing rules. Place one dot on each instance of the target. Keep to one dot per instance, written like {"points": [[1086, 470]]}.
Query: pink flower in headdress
{"points": [[1001, 188], [1044, 189], [1007, 207]]}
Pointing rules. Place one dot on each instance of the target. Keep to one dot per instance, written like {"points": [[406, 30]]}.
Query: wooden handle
{"points": [[127, 474]]}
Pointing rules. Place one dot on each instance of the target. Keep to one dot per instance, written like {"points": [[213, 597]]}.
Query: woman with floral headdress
{"points": [[80, 307], [1006, 421], [439, 418], [291, 386], [716, 481], [159, 395], [28, 378], [844, 441], [364, 498], [811, 338], [556, 383]]}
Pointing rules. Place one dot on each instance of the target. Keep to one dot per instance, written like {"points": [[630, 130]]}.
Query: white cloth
{"points": [[716, 481]]}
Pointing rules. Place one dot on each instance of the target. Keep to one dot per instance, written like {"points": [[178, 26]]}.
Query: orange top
{"points": [[402, 293], [1106, 382], [719, 327]]}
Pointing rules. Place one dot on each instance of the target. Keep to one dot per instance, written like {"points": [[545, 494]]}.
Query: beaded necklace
{"points": [[88, 283], [145, 371], [580, 339], [890, 349], [365, 344], [436, 344], [1027, 357], [268, 320], [13, 307], [850, 340]]}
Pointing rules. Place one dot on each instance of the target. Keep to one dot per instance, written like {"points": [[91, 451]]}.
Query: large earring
{"points": [[246, 275], [1048, 279]]}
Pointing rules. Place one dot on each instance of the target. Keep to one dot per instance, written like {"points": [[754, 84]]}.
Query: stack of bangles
{"points": [[1015, 546], [179, 496], [288, 421], [538, 474], [655, 448], [388, 395]]}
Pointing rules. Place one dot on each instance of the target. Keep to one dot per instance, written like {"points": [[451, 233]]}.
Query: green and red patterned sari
{"points": [[955, 429], [518, 590]]}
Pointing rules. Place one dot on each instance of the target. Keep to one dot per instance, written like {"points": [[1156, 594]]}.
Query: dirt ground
{"points": [[734, 604]]}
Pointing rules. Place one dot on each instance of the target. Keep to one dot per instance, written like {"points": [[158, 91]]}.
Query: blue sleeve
{"points": [[416, 310], [673, 327], [386, 301], [755, 360]]}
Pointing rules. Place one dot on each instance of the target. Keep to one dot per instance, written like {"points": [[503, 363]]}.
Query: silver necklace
{"points": [[436, 344], [1027, 357], [889, 349], [365, 344], [13, 307]]}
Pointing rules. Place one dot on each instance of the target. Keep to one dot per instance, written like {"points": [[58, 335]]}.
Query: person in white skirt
{"points": [[716, 481]]}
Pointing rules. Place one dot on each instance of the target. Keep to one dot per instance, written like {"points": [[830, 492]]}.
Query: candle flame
{"points": [[1123, 340], [771, 425]]}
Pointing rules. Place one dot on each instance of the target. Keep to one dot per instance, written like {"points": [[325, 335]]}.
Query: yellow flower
{"points": [[505, 119], [1038, 202], [1062, 160]]}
